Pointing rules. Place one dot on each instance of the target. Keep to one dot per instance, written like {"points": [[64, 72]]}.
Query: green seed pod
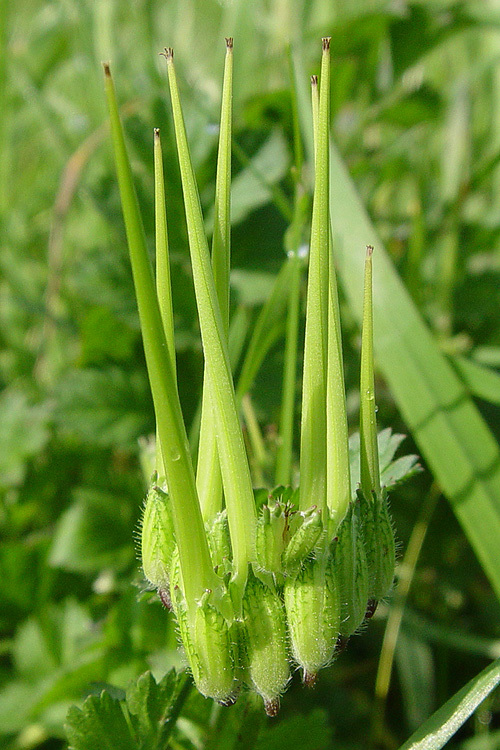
{"points": [[380, 548], [157, 538], [351, 570], [270, 537], [303, 540], [312, 606], [208, 645], [264, 642]]}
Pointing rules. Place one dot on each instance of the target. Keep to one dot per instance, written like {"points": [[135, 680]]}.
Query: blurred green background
{"points": [[416, 117]]}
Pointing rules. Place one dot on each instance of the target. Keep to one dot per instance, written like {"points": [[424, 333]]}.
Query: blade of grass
{"points": [[449, 430], [437, 730], [405, 577], [480, 380]]}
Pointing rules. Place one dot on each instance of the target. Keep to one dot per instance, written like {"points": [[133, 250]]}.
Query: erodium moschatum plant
{"points": [[258, 587]]}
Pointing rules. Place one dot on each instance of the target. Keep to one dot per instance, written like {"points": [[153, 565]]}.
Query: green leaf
{"points": [[23, 433], [151, 707], [92, 533], [100, 723], [391, 472], [443, 724], [103, 407]]}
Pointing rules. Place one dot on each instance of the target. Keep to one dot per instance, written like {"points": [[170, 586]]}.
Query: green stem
{"points": [[163, 283], [338, 475], [233, 459], [194, 555], [313, 429], [285, 449], [258, 448], [370, 471], [284, 458]]}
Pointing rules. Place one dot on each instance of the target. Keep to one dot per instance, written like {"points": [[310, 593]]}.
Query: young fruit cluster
{"points": [[257, 588], [310, 587]]}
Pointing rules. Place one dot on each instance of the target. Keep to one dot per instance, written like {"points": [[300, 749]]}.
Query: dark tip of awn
{"points": [[168, 53], [156, 132], [326, 42], [229, 42], [369, 250], [314, 80], [107, 71]]}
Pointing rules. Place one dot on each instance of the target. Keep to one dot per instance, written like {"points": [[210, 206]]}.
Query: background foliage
{"points": [[416, 118]]}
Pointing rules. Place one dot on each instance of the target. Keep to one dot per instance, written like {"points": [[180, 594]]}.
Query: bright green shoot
{"points": [[163, 284], [192, 543], [313, 489], [208, 476], [370, 472], [233, 458]]}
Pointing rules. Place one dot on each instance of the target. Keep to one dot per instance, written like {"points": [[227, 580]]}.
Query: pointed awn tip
{"points": [[107, 71], [168, 54]]}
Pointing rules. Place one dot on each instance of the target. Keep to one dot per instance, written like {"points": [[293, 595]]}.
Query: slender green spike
{"points": [[293, 242], [338, 475], [370, 472], [188, 523], [337, 432], [233, 459], [315, 107], [208, 476], [284, 457], [313, 430], [163, 284]]}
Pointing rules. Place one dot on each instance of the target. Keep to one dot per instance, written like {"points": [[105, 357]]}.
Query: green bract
{"points": [[256, 592]]}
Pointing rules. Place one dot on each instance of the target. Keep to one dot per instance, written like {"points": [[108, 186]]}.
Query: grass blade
{"points": [[437, 730]]}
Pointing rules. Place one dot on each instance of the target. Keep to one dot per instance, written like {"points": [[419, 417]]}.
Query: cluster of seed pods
{"points": [[307, 591], [257, 589]]}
